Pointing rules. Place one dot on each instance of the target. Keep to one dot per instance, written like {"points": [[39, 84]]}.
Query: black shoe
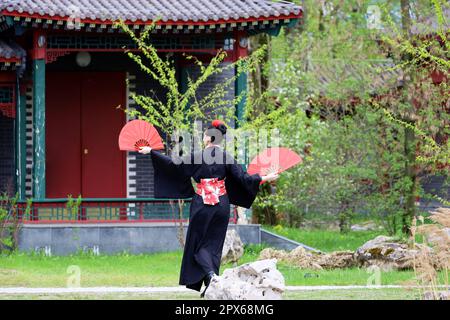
{"points": [[208, 278]]}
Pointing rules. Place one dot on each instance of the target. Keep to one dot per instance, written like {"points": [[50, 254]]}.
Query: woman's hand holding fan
{"points": [[271, 162], [139, 135], [270, 177], [145, 150]]}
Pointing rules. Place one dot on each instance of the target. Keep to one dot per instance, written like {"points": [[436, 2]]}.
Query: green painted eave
{"points": [[274, 30]]}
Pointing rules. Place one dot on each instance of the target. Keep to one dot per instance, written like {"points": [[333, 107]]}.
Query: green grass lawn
{"points": [[26, 270], [162, 269], [326, 240]]}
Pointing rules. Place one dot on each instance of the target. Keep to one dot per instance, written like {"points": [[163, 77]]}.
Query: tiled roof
{"points": [[150, 10], [11, 51]]}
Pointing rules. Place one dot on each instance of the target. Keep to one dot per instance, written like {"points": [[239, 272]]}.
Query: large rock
{"points": [[270, 253], [336, 260], [304, 259], [387, 253], [384, 252], [258, 280], [233, 248], [298, 257]]}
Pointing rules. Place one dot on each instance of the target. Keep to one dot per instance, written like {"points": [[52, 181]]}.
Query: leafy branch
{"points": [[182, 108]]}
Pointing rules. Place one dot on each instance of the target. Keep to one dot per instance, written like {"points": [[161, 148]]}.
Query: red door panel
{"points": [[63, 140], [82, 128], [103, 164]]}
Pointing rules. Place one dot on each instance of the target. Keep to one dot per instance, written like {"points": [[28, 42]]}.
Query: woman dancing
{"points": [[220, 181]]}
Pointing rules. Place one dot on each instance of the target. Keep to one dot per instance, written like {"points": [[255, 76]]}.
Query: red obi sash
{"points": [[210, 190]]}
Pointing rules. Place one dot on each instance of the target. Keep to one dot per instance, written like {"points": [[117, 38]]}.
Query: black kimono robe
{"points": [[207, 223]]}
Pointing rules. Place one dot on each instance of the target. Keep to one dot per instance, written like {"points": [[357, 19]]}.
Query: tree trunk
{"points": [[260, 81], [410, 139], [410, 172]]}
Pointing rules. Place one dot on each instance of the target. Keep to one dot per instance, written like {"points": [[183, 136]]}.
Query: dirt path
{"points": [[101, 290]]}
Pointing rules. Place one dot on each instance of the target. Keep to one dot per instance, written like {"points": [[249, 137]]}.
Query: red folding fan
{"points": [[139, 133], [273, 160]]}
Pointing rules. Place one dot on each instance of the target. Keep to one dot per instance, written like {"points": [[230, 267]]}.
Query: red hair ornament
{"points": [[217, 123]]}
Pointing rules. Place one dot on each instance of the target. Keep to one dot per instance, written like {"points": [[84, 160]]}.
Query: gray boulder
{"points": [[258, 280], [387, 253], [233, 248]]}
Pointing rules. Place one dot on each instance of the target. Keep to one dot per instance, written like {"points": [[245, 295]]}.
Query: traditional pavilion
{"points": [[63, 71]]}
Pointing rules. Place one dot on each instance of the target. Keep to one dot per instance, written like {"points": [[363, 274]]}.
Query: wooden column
{"points": [[241, 86], [21, 139], [240, 51], [38, 70]]}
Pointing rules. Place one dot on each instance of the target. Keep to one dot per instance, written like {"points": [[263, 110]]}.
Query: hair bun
{"points": [[217, 123]]}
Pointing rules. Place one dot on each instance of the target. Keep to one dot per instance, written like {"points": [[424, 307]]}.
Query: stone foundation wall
{"points": [[134, 238]]}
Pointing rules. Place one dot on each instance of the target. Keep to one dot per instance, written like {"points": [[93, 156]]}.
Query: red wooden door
{"points": [[62, 133], [103, 164], [83, 125]]}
